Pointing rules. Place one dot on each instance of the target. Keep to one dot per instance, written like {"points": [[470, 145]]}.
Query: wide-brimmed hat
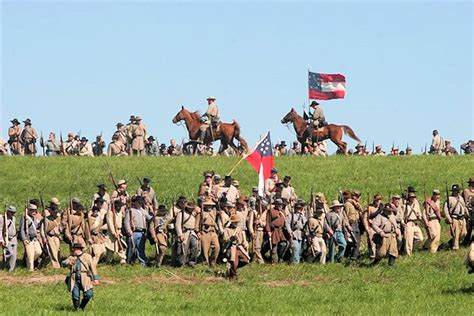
{"points": [[211, 98], [274, 170], [313, 104], [436, 192], [12, 209], [122, 181], [32, 207], [15, 121], [455, 188], [102, 186], [208, 202], [412, 195], [55, 201], [471, 180], [234, 218], [27, 121], [378, 197], [278, 201], [336, 203], [190, 206], [396, 197], [147, 179], [84, 139]]}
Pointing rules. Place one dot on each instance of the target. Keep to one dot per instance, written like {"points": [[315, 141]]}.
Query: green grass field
{"points": [[421, 284]]}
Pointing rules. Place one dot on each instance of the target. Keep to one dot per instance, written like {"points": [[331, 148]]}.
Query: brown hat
{"points": [[412, 195], [378, 197], [190, 206], [55, 201], [234, 218], [471, 180]]}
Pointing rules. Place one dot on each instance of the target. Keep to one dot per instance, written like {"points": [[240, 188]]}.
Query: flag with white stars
{"points": [[326, 86], [261, 159]]}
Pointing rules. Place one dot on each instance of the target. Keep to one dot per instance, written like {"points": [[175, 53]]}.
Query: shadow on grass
{"points": [[462, 291]]}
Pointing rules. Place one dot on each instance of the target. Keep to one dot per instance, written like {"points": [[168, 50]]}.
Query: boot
{"points": [[376, 261], [76, 304], [391, 260], [84, 303]]}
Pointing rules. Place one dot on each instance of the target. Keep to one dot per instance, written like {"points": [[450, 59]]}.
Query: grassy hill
{"points": [[421, 284]]}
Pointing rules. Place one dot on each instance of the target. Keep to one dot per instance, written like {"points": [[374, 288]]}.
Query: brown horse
{"points": [[331, 131], [226, 132]]}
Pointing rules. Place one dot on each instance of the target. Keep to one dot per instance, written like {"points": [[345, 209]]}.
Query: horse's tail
{"points": [[348, 131], [242, 141]]}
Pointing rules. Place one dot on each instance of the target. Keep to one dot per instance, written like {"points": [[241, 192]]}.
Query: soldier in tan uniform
{"points": [[317, 226], [288, 192], [228, 190], [97, 226], [51, 232], [71, 145], [468, 195], [412, 220], [399, 213], [116, 147], [148, 193], [368, 216], [28, 138], [352, 210], [317, 116], [207, 188], [138, 135], [101, 193], [188, 245], [257, 222], [208, 229], [175, 210], [121, 133], [437, 144], [85, 148], [456, 212], [386, 230], [270, 183], [235, 247], [432, 219], [210, 118], [120, 193], [73, 223], [470, 259], [274, 228], [29, 234], [114, 242], [82, 276], [14, 140], [159, 235]]}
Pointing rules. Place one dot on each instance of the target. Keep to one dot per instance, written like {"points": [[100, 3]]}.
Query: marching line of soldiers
{"points": [[133, 139], [223, 225]]}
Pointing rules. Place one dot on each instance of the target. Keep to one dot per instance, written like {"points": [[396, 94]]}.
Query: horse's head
{"points": [[179, 116], [288, 118]]}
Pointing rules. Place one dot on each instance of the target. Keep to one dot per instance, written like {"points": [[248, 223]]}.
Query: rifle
{"points": [[140, 182], [451, 225], [365, 148], [42, 142], [43, 228], [427, 219], [111, 176], [61, 144], [6, 230], [69, 220], [25, 218], [373, 147], [424, 153]]}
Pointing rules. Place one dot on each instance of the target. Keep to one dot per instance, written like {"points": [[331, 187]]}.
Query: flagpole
{"points": [[237, 164], [244, 156]]}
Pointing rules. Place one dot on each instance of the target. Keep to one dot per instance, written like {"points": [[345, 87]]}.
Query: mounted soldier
{"points": [[210, 119], [317, 119]]}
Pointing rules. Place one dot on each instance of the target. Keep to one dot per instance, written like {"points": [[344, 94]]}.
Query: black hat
{"points": [[282, 143], [151, 138], [15, 121], [287, 178], [77, 246], [163, 146], [411, 189], [228, 178], [84, 139], [146, 179], [119, 124], [455, 188], [102, 186], [314, 103], [99, 200], [27, 121]]}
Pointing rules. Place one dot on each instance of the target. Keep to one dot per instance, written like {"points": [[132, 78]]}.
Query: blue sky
{"points": [[73, 66]]}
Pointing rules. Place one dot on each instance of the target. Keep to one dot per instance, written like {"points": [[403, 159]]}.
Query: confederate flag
{"points": [[326, 86], [261, 159]]}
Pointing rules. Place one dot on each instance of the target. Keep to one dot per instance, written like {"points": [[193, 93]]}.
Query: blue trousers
{"points": [[136, 248], [295, 251], [76, 292], [341, 243]]}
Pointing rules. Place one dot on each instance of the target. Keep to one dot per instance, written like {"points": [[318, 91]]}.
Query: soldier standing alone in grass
{"points": [[82, 276]]}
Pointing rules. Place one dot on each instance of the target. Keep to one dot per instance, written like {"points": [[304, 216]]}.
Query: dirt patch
{"points": [[288, 283], [38, 279], [176, 279]]}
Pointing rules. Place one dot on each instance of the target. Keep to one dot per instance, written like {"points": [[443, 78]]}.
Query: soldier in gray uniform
{"points": [[386, 235], [29, 235], [188, 245], [294, 224], [159, 234], [8, 239], [53, 147], [135, 223]]}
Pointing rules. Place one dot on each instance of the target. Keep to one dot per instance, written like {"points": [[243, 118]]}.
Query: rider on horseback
{"points": [[210, 118], [317, 117]]}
